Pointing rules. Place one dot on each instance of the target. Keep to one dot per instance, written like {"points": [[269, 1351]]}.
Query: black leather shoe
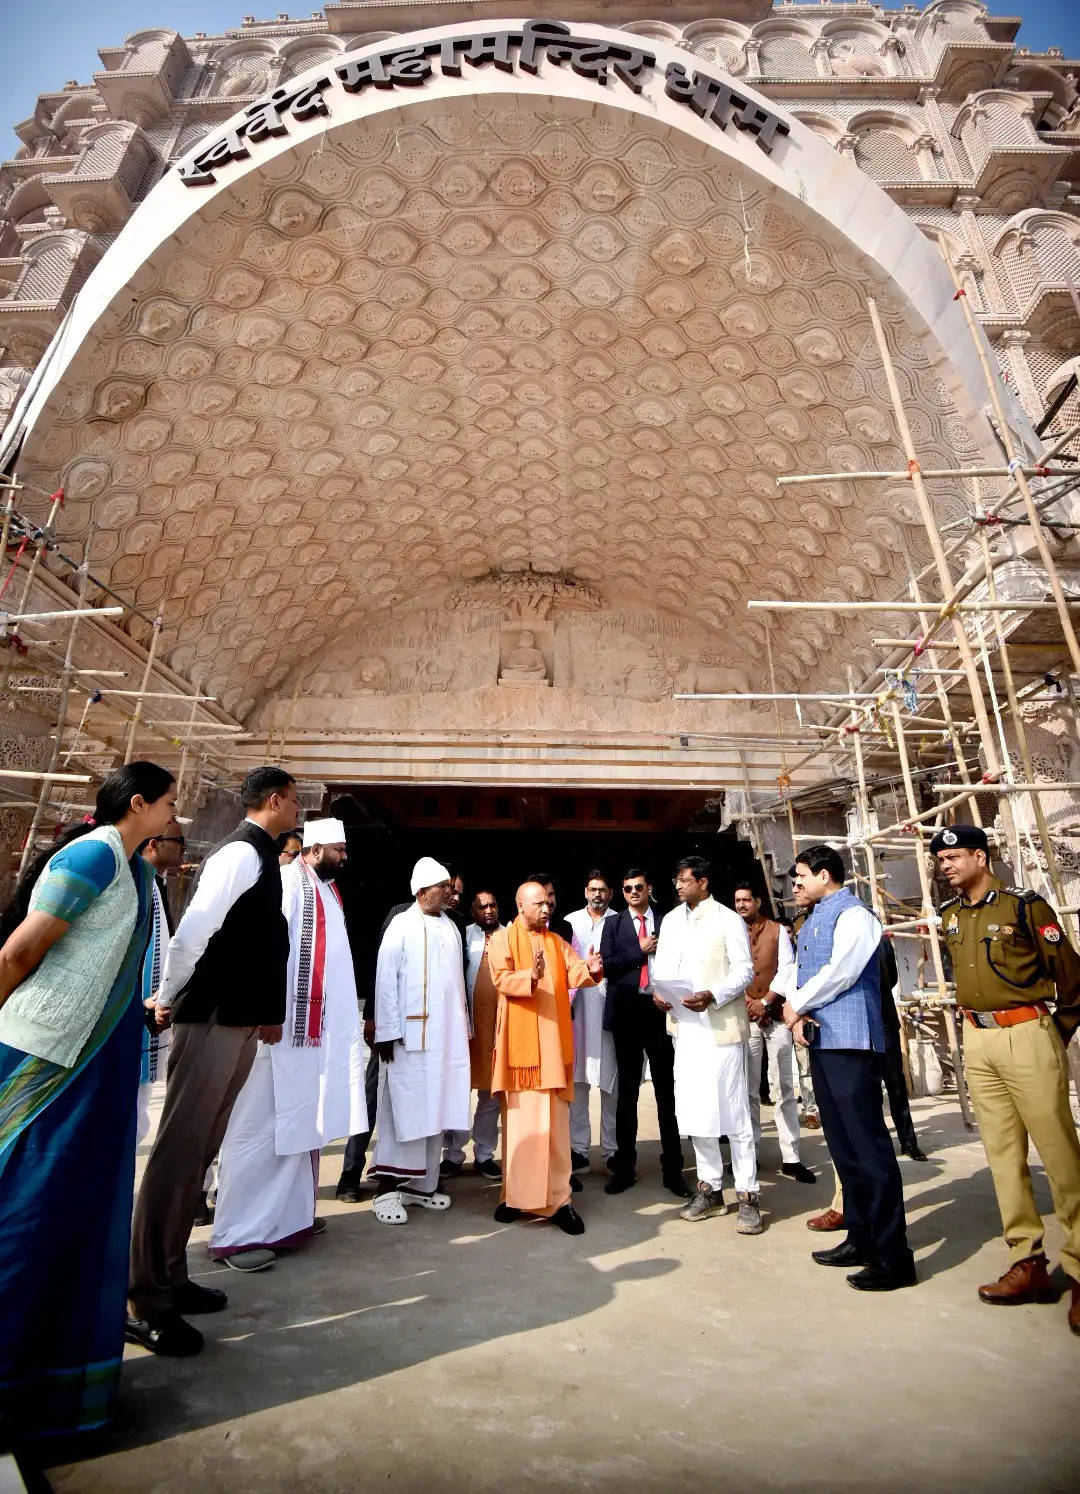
{"points": [[489, 1169], [165, 1333], [191, 1298], [576, 1184], [675, 1184], [450, 1169], [204, 1213], [612, 1163], [347, 1193], [504, 1214], [844, 1254], [915, 1152], [569, 1220], [579, 1162], [618, 1184], [799, 1172], [874, 1279]]}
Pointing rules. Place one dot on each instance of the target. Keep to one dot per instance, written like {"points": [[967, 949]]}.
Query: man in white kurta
{"points": [[594, 1049], [704, 944], [422, 1038], [308, 1089]]}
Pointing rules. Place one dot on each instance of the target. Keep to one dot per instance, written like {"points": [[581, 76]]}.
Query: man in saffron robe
{"points": [[533, 1069]]}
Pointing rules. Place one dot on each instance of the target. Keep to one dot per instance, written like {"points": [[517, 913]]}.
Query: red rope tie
{"points": [[959, 293], [920, 647], [15, 563], [57, 497], [987, 521], [1041, 471], [913, 467]]}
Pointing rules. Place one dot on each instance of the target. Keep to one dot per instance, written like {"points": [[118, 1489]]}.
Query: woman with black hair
{"points": [[71, 1023]]}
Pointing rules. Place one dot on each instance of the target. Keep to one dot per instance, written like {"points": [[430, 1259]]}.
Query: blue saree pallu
{"points": [[67, 1171]]}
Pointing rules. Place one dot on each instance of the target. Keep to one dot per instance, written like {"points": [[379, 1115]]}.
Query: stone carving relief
{"points": [[523, 663]]}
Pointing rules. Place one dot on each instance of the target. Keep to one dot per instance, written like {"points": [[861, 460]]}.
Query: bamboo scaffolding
{"points": [[929, 915], [151, 652], [943, 614], [933, 474]]}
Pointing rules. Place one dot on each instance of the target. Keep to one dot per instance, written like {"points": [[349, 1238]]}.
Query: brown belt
{"points": [[1010, 1016]]}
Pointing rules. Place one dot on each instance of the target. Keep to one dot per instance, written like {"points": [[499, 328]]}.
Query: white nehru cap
{"points": [[324, 833], [427, 873]]}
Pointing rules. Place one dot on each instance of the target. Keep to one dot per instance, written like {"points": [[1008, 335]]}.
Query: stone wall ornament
{"points": [[524, 664]]}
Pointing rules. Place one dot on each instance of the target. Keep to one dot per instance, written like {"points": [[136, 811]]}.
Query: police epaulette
{"points": [[949, 902], [1025, 894]]}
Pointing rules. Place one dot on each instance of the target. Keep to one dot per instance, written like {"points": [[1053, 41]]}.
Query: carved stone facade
{"points": [[472, 417]]}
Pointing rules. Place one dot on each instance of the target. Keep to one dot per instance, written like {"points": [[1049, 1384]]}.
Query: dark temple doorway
{"points": [[495, 837]]}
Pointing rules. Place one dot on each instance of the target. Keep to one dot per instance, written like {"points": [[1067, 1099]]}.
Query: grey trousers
{"points": [[207, 1068]]}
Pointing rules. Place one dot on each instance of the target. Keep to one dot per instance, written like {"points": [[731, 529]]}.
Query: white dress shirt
{"points": [[855, 938], [225, 877]]}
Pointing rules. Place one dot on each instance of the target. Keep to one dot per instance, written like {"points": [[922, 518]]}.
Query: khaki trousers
{"points": [[1018, 1077], [207, 1068]]}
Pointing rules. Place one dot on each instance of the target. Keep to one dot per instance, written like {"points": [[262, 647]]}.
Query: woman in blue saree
{"points": [[71, 1020]]}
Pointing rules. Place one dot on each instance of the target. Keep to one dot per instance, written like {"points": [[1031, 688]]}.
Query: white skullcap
{"points": [[427, 873], [324, 833]]}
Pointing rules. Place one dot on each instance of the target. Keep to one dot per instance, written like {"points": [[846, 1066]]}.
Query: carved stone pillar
{"points": [[753, 57], [936, 126], [1015, 345], [926, 148], [995, 297], [846, 145], [822, 57]]}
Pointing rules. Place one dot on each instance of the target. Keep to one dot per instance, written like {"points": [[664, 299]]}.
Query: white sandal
{"points": [[427, 1200], [389, 1209]]}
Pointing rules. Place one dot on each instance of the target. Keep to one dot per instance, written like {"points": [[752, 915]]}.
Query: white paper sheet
{"points": [[674, 991]]}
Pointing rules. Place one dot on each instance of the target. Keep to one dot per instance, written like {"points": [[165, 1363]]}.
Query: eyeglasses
{"points": [[633, 886], [170, 840], [290, 855]]}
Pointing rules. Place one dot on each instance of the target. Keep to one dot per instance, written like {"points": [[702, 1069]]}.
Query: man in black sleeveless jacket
{"points": [[223, 989]]}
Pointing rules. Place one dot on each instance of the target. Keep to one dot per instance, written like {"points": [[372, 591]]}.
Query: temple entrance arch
{"points": [[442, 416]]}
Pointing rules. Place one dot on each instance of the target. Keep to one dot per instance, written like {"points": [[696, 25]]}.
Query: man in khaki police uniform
{"points": [[1010, 957]]}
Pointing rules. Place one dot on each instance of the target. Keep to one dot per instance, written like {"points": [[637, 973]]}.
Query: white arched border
{"points": [[803, 174]]}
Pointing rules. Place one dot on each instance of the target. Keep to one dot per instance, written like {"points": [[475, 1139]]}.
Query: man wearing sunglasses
{"points": [[627, 946]]}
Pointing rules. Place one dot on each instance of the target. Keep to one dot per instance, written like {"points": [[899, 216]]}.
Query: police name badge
{"points": [[952, 925], [1051, 933]]}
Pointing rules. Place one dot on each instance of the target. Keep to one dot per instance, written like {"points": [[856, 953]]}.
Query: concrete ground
{"points": [[457, 1354]]}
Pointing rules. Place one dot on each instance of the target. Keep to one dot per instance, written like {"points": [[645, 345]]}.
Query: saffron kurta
{"points": [[536, 1120]]}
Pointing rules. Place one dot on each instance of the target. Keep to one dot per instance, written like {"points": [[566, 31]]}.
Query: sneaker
{"points": [[450, 1169], [164, 1333], [318, 1226], [749, 1220], [705, 1203], [347, 1193], [251, 1260], [579, 1162], [489, 1169]]}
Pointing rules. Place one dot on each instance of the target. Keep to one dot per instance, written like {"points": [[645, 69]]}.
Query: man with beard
{"points": [[304, 1091]]}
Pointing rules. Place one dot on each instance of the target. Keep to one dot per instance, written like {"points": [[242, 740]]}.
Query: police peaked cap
{"points": [[960, 837]]}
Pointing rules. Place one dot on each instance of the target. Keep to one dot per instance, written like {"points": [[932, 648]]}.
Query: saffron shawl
{"points": [[522, 1013]]}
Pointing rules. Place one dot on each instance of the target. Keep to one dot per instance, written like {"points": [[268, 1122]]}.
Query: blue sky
{"points": [[45, 42]]}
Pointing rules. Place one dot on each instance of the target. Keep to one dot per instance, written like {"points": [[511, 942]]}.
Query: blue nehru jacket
{"points": [[852, 1019]]}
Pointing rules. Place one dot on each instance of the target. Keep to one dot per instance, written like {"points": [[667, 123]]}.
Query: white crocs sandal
{"points": [[427, 1200], [389, 1209]]}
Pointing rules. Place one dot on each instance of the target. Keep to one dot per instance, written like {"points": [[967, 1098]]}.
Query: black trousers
{"points": [[640, 1032], [847, 1083], [352, 1169], [896, 1089]]}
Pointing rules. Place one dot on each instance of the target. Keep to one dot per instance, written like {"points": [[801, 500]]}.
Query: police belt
{"points": [[1009, 1016]]}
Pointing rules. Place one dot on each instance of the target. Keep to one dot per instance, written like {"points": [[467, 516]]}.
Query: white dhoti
{"points": [[302, 1092], [712, 1100], [414, 1163], [263, 1199], [777, 1041], [594, 1063]]}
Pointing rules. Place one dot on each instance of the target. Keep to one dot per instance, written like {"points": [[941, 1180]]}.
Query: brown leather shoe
{"points": [[824, 1224], [812, 1122], [1024, 1281], [1074, 1308]]}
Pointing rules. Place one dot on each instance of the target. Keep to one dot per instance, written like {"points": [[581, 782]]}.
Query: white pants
{"points": [[415, 1164], [777, 1040], [581, 1123], [801, 1059], [709, 1161], [485, 1132], [142, 1113]]}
